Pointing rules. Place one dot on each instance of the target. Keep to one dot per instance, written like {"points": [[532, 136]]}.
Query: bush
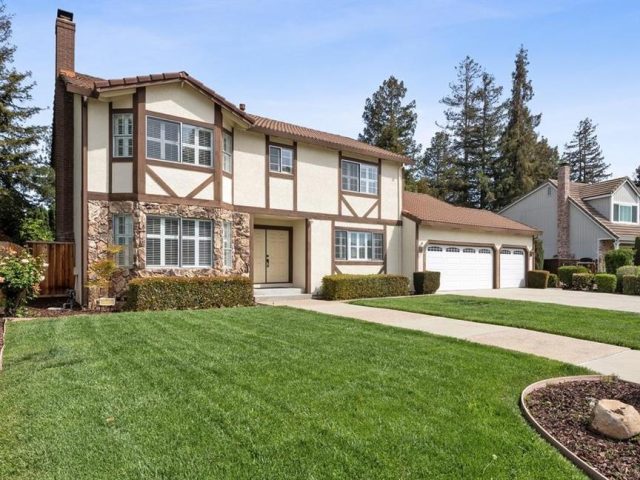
{"points": [[582, 281], [35, 229], [537, 279], [631, 285], [20, 277], [626, 270], [553, 281], [538, 249], [426, 282], [614, 259], [183, 293], [636, 252], [345, 287], [565, 274], [605, 282]]}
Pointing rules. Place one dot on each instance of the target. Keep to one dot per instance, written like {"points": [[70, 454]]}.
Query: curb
{"points": [[584, 466]]}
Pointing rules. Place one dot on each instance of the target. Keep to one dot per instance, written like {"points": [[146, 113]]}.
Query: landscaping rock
{"points": [[615, 419]]}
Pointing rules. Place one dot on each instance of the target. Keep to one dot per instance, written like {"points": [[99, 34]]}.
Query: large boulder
{"points": [[615, 419]]}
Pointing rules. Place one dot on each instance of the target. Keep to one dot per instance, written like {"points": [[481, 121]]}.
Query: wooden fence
{"points": [[59, 275]]}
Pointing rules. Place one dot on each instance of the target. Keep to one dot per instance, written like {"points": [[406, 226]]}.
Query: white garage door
{"points": [[512, 271], [460, 267]]}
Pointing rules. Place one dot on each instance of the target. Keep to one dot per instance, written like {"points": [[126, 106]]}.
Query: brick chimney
{"points": [[62, 135], [564, 189]]}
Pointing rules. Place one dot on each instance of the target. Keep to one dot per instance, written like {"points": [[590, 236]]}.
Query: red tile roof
{"points": [[429, 210]]}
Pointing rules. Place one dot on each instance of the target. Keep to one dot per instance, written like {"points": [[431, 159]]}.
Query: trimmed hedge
{"points": [[537, 279], [553, 281], [346, 287], [184, 293], [582, 281], [631, 285], [605, 282], [614, 259], [426, 282], [565, 274], [623, 271]]}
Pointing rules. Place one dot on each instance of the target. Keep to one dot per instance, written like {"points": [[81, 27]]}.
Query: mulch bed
{"points": [[564, 411]]}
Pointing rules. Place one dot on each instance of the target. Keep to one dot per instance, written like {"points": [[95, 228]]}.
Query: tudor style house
{"points": [[581, 221]]}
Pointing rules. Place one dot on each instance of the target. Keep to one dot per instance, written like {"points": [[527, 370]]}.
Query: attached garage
{"points": [[472, 249]]}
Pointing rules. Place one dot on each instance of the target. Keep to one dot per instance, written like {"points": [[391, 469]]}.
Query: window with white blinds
{"points": [[174, 242], [122, 135], [227, 152], [123, 236], [179, 142], [359, 177], [227, 244], [367, 246], [280, 159]]}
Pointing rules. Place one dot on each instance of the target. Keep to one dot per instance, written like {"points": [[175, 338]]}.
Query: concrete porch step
{"points": [[270, 295]]}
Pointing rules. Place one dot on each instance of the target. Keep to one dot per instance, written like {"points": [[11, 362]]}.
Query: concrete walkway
{"points": [[606, 301], [600, 357]]}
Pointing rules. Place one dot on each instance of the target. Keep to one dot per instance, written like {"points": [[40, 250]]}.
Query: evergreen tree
{"points": [[636, 177], [462, 116], [435, 169], [548, 160], [21, 168], [518, 170], [584, 155]]}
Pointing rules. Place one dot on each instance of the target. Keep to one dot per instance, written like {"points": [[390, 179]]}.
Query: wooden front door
{"points": [[272, 254]]}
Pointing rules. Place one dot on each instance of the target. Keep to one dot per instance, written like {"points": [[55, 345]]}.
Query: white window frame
{"points": [[279, 166], [227, 244], [361, 246], [197, 237], [365, 181], [180, 142], [626, 205], [227, 151], [123, 239], [126, 136]]}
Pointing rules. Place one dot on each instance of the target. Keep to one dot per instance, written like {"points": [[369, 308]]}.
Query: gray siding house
{"points": [[581, 221]]}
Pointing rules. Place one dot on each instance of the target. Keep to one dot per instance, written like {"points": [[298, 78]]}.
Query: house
{"points": [[580, 221], [471, 248], [189, 183]]}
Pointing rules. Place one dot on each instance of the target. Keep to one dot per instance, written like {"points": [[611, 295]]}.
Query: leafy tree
{"points": [[36, 226], [435, 168], [584, 155], [21, 167], [389, 122]]}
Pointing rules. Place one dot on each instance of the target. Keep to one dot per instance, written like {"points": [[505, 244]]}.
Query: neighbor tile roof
{"points": [[88, 85], [580, 192], [431, 211]]}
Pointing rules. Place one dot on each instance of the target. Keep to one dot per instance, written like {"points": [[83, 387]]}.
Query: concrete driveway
{"points": [[606, 301]]}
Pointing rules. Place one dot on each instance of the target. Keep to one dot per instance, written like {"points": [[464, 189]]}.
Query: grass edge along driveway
{"points": [[606, 326], [263, 393]]}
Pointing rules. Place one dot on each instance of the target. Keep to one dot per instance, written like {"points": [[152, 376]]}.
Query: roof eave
{"points": [[528, 231]]}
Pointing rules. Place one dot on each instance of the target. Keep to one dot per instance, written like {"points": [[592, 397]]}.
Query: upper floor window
{"points": [[122, 135], [625, 213], [280, 159], [176, 142], [359, 177], [227, 152], [368, 246]]}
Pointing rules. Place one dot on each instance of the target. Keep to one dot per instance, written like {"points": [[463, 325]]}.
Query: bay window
{"points": [[357, 245], [280, 159], [179, 142], [625, 213], [359, 177], [174, 242], [122, 146]]}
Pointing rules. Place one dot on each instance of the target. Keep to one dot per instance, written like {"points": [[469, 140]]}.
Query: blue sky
{"points": [[315, 62]]}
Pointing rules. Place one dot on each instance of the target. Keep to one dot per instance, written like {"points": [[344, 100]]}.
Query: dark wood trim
{"points": [[333, 247], [187, 121], [358, 194], [295, 176], [84, 269], [267, 193], [307, 255], [161, 182], [359, 262], [201, 187], [380, 190], [349, 207], [282, 145], [183, 166], [227, 174], [217, 153], [357, 160], [358, 229], [140, 133], [287, 176], [314, 215], [417, 249], [251, 243], [122, 160], [368, 212], [283, 228], [340, 182], [110, 148]]}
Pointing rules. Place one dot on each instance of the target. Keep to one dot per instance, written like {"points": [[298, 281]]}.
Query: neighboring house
{"points": [[580, 221], [471, 248], [191, 184]]}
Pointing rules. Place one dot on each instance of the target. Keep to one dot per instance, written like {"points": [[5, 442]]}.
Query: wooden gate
{"points": [[58, 276]]}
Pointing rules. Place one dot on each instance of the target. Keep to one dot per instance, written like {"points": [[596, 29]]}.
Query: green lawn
{"points": [[263, 393], [617, 328]]}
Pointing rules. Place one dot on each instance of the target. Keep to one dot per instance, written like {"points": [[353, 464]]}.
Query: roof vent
{"points": [[63, 14], [243, 107]]}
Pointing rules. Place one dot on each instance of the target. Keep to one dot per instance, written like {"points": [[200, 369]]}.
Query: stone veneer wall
{"points": [[604, 246], [100, 235]]}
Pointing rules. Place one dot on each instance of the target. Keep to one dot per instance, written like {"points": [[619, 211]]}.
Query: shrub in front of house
{"points": [[614, 259], [624, 271], [565, 274], [553, 281], [346, 287], [631, 285], [186, 293], [537, 279], [20, 277], [582, 281], [605, 282], [426, 282]]}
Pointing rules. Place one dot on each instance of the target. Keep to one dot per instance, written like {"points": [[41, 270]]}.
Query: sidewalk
{"points": [[600, 357]]}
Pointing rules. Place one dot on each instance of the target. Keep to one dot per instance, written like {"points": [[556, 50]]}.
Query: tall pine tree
{"points": [[21, 167], [584, 155], [436, 168]]}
